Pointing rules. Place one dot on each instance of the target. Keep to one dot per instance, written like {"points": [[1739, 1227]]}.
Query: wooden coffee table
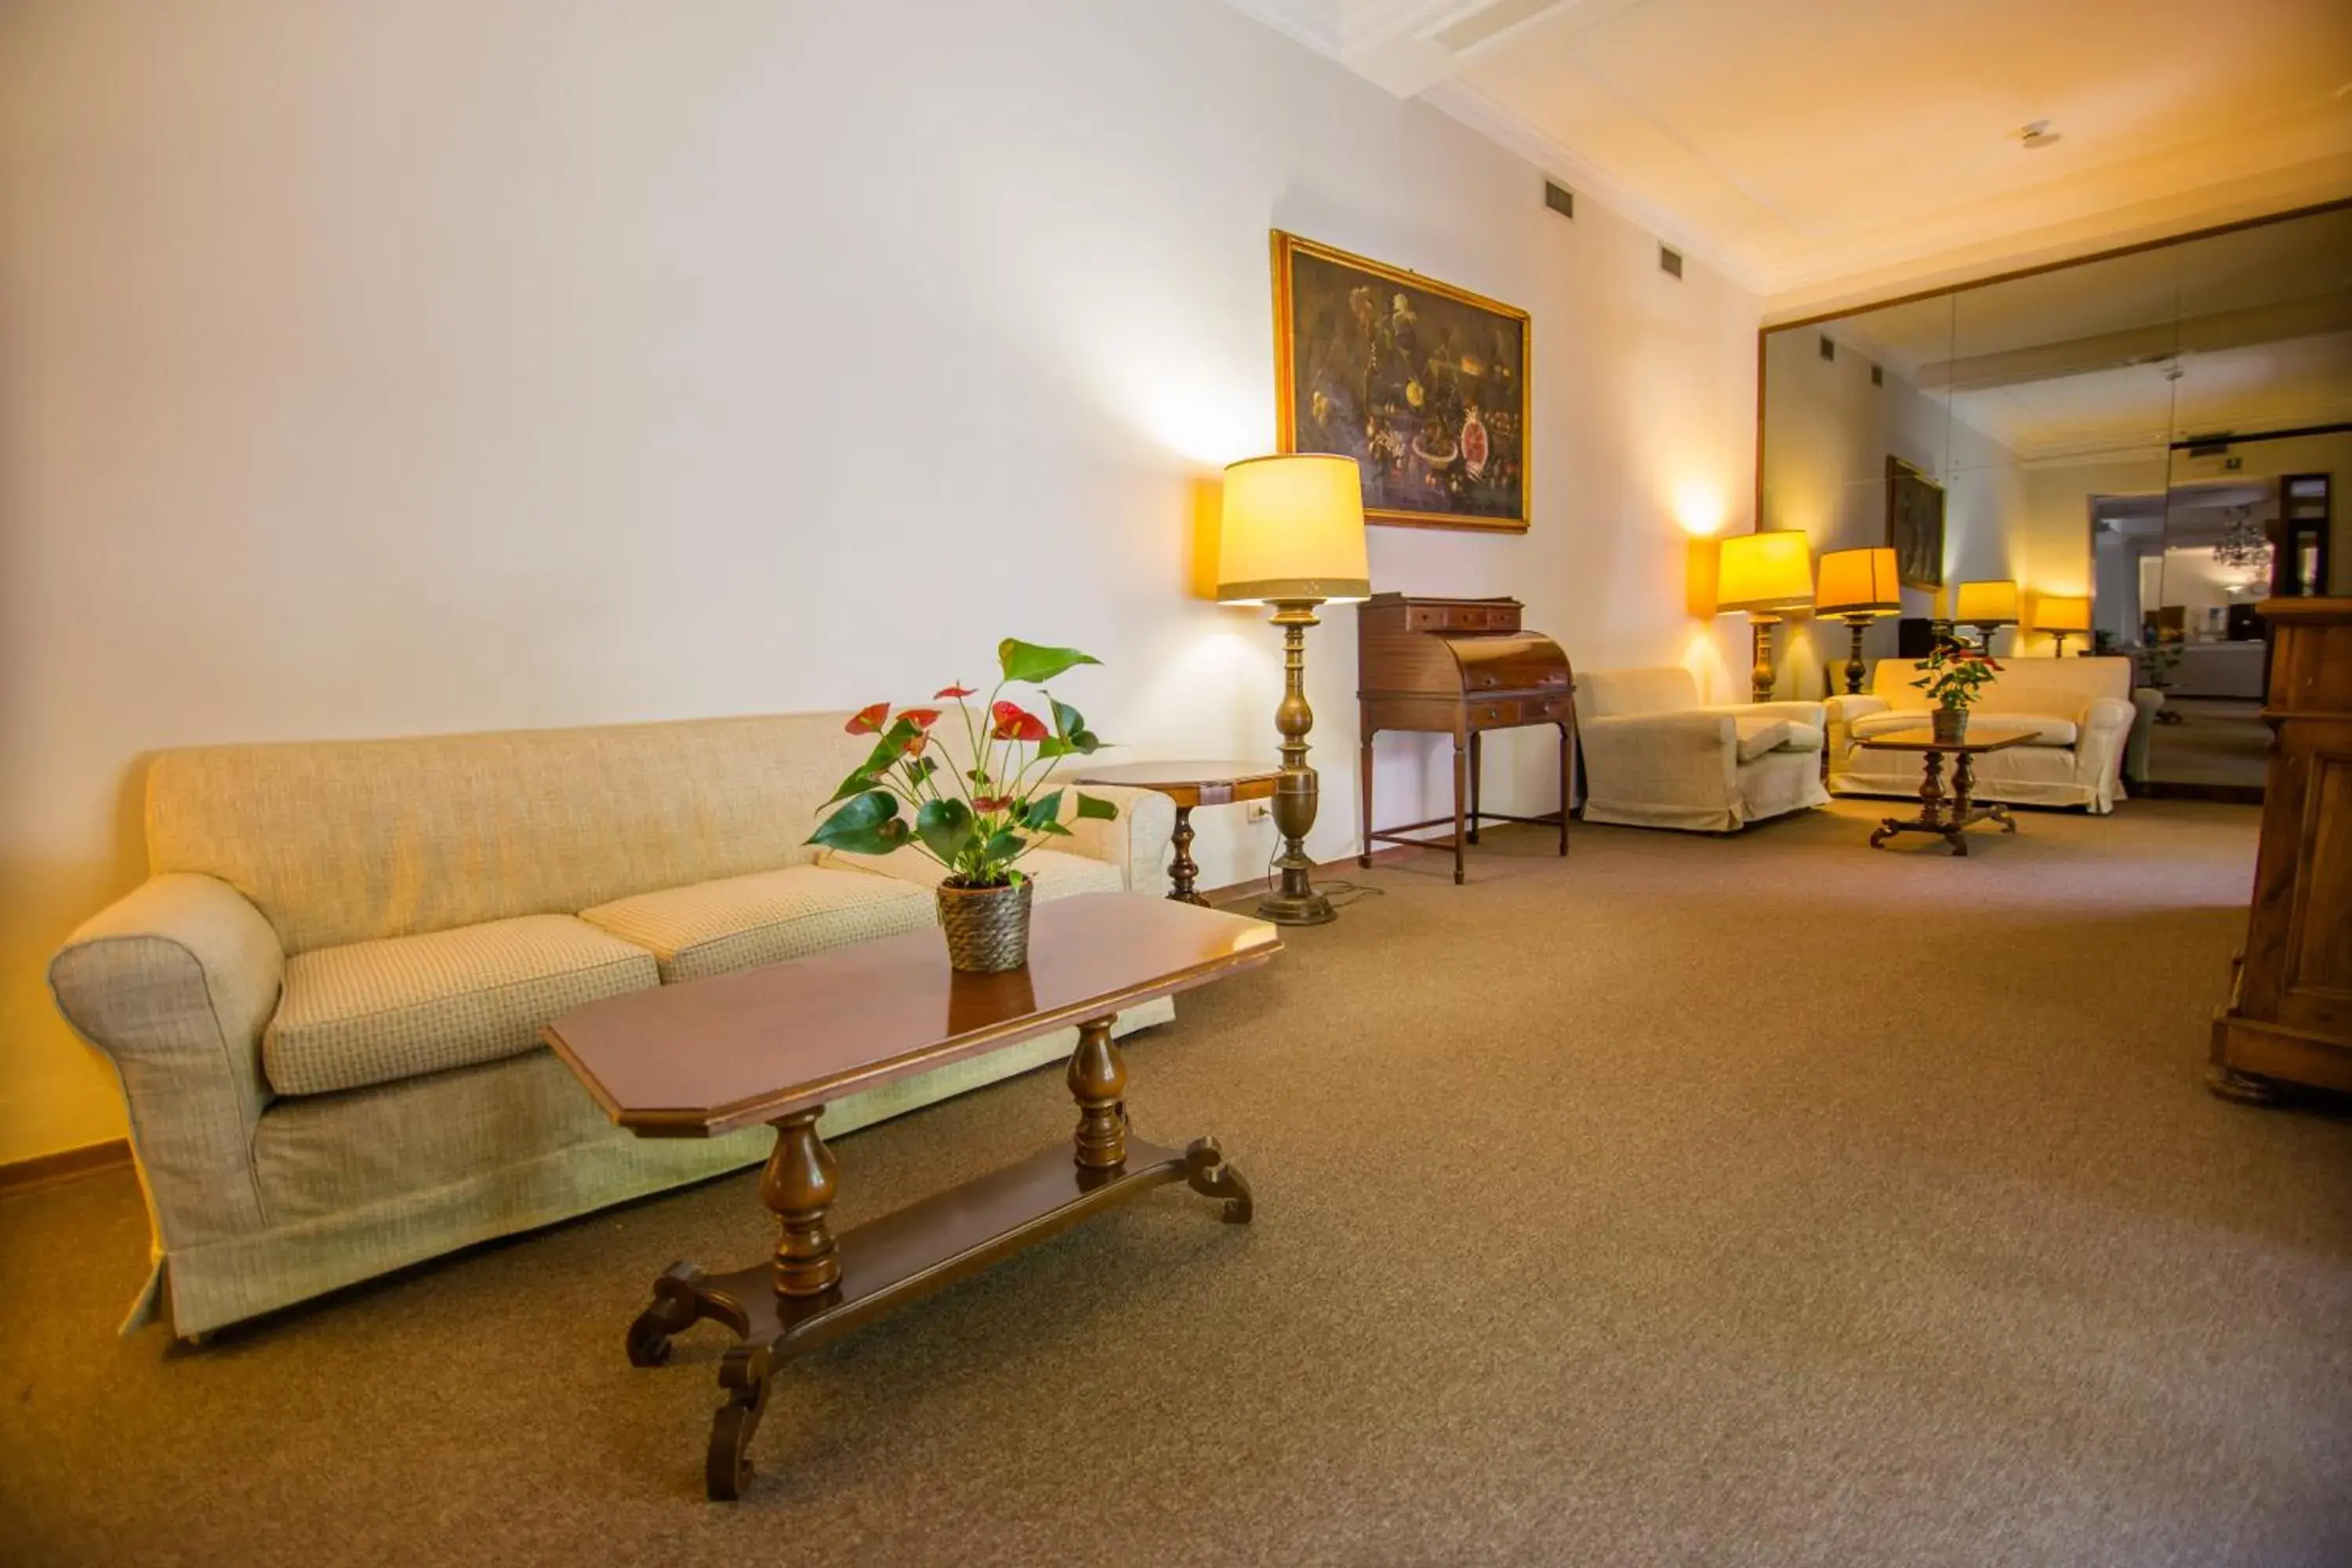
{"points": [[1189, 785], [1948, 818], [776, 1043]]}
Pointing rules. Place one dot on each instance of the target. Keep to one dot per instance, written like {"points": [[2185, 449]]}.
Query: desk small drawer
{"points": [[1463, 618], [1544, 709], [1487, 713]]}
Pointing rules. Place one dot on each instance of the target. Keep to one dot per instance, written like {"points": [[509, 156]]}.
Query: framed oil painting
{"points": [[1915, 525], [1423, 384]]}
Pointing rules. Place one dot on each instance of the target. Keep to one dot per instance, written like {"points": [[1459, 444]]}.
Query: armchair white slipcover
{"points": [[2081, 711], [1656, 757]]}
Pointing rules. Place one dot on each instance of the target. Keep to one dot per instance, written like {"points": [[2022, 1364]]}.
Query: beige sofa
{"points": [[2080, 711], [1656, 757], [323, 1002]]}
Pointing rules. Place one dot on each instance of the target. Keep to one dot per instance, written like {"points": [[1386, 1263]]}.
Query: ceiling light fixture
{"points": [[2037, 134]]}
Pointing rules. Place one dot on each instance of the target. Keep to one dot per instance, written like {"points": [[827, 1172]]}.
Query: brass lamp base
{"points": [[1761, 678], [1855, 670], [1295, 902]]}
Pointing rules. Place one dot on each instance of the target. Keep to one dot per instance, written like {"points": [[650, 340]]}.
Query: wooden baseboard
{"points": [[65, 1165]]}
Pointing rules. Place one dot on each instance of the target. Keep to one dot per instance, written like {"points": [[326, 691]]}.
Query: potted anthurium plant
{"points": [[1954, 670], [978, 815]]}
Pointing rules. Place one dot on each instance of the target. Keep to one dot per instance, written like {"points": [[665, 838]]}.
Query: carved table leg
{"points": [[678, 1297], [1098, 1079], [798, 1186], [1206, 1172], [1956, 820], [727, 1469], [1182, 870]]}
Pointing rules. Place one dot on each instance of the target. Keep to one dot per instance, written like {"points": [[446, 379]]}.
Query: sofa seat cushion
{"points": [[2046, 729], [375, 1012], [1759, 735], [1057, 873], [735, 922]]}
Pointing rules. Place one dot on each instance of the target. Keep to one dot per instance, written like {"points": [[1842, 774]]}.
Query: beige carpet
{"points": [[1749, 1202]]}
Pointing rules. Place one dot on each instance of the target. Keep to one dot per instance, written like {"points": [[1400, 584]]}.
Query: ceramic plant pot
{"points": [[1952, 725], [987, 928]]}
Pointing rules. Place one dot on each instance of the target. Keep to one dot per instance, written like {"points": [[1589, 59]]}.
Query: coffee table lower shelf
{"points": [[920, 1249]]}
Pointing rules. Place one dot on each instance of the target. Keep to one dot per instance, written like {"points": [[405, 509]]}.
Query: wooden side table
{"points": [[1189, 785], [1947, 817]]}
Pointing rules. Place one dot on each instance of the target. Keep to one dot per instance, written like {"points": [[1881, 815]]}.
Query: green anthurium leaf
{"points": [[1027, 661], [1067, 720], [1054, 746], [867, 825], [945, 825], [1003, 846], [858, 782], [1054, 830], [1097, 808], [1041, 811]]}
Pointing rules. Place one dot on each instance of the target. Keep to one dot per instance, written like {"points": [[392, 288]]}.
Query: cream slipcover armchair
{"points": [[1654, 757], [324, 1001], [2080, 710]]}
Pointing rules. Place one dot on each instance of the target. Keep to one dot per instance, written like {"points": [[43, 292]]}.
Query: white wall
{"points": [[384, 367]]}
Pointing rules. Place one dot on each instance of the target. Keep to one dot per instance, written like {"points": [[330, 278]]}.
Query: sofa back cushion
{"points": [[344, 841], [1608, 693], [2060, 687]]}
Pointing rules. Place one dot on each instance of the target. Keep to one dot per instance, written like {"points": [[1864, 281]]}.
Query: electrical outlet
{"points": [[1260, 811]]}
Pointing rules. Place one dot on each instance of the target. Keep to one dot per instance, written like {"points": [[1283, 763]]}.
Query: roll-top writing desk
{"points": [[1459, 667]]}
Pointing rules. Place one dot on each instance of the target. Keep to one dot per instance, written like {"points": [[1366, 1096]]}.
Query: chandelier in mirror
{"points": [[2244, 544]]}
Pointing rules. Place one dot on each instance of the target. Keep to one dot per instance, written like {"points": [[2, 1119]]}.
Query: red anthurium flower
{"points": [[993, 802], [869, 720], [958, 692], [922, 718], [915, 743], [1014, 723]]}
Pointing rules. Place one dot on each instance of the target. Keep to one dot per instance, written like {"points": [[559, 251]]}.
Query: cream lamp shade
{"points": [[1858, 582], [1766, 574], [1292, 529], [1991, 603], [2062, 613]]}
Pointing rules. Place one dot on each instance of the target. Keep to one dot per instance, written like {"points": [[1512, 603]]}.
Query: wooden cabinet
{"points": [[1458, 666], [2290, 1017]]}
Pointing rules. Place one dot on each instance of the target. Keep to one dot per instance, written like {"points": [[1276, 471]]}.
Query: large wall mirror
{"points": [[2145, 443]]}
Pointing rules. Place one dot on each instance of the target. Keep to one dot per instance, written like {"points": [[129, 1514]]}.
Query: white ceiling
{"points": [[1826, 150]]}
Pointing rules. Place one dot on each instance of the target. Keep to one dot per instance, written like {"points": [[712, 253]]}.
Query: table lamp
{"points": [[2062, 616], [1858, 586], [1767, 574], [1987, 606], [1292, 536]]}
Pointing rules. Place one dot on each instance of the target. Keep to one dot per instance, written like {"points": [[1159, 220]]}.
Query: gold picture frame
{"points": [[1428, 387]]}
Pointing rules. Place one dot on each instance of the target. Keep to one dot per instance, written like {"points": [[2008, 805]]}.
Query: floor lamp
{"points": [[1857, 586], [1987, 606], [1767, 574], [1292, 537]]}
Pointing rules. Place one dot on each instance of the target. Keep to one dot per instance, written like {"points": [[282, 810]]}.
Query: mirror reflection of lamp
{"points": [[1858, 586], [1767, 573]]}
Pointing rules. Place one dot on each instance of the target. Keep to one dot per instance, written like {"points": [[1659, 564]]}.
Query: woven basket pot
{"points": [[987, 928], [1952, 725]]}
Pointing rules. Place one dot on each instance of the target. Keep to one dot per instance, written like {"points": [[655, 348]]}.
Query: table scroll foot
{"points": [[1206, 1172], [744, 1374], [1886, 829], [677, 1303]]}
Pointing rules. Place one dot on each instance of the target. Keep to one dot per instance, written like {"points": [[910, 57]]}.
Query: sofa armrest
{"points": [[175, 983], [1842, 712], [1795, 712], [2106, 727], [1136, 841], [1689, 758]]}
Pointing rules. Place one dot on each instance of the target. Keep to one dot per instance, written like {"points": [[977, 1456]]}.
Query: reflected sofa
{"points": [[1654, 756], [323, 1004], [2080, 711]]}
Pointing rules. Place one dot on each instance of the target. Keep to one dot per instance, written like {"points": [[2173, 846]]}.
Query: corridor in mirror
{"points": [[2112, 460]]}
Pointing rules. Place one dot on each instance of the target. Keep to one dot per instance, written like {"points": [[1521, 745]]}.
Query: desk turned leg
{"points": [[1182, 870], [1364, 764], [1477, 772], [800, 1184], [1457, 810], [1098, 1079], [1567, 780]]}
